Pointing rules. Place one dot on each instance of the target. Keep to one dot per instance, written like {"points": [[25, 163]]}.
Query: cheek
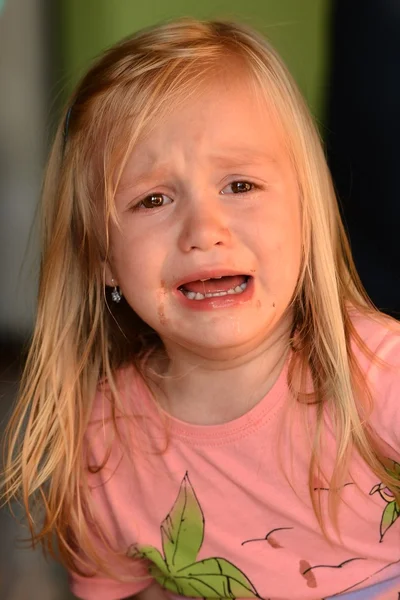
{"points": [[279, 250], [138, 265], [136, 260], [289, 232], [279, 242]]}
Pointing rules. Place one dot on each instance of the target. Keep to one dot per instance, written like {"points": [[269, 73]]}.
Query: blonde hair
{"points": [[78, 339]]}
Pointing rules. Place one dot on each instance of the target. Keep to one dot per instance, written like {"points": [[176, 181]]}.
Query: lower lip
{"points": [[228, 301]]}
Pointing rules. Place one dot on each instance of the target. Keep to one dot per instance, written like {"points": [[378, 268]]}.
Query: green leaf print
{"points": [[391, 511], [158, 566], [390, 514], [217, 576], [393, 469], [182, 530], [197, 587], [182, 533]]}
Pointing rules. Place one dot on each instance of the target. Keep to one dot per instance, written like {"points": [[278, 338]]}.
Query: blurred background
{"points": [[345, 57]]}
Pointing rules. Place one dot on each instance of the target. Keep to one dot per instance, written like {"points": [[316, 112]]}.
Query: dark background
{"points": [[363, 135]]}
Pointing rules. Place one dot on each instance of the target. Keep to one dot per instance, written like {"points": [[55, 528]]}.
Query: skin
{"points": [[224, 359]]}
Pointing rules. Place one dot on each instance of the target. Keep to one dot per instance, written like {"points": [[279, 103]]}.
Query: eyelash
{"points": [[140, 204]]}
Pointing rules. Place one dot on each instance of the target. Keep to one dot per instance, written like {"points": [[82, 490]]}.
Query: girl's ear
{"points": [[110, 281]]}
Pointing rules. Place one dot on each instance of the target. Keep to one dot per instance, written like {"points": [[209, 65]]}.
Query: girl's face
{"points": [[208, 249]]}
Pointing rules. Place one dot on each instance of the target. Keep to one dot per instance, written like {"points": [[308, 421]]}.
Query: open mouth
{"points": [[215, 287]]}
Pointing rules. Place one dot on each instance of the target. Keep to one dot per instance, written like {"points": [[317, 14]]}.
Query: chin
{"points": [[219, 342]]}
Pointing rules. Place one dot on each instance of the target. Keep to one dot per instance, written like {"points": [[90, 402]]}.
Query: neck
{"points": [[212, 390]]}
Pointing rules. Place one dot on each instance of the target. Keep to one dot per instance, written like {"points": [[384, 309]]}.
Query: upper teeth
{"points": [[197, 296]]}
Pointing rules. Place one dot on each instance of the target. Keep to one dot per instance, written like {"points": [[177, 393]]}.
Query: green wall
{"points": [[297, 28]]}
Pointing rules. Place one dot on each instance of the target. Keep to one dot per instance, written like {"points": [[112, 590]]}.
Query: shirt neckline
{"points": [[220, 434]]}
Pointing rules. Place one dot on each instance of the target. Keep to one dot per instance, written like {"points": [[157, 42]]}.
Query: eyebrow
{"points": [[239, 157], [242, 156], [133, 181]]}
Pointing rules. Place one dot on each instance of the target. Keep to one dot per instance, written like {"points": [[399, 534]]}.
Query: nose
{"points": [[205, 225]]}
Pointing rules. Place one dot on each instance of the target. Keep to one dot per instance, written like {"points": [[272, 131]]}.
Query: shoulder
{"points": [[376, 340], [125, 419], [380, 363], [115, 406], [123, 396]]}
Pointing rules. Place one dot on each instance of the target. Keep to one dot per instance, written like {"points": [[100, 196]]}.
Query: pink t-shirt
{"points": [[224, 511]]}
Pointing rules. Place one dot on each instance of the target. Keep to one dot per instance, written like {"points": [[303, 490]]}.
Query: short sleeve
{"points": [[102, 588], [125, 576], [112, 512], [384, 382]]}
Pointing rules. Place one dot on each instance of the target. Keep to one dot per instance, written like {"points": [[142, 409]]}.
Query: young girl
{"points": [[210, 403]]}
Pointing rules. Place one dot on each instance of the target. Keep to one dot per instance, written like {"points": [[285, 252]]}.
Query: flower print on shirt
{"points": [[182, 535]]}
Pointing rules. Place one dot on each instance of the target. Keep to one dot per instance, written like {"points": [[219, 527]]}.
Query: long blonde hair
{"points": [[78, 339]]}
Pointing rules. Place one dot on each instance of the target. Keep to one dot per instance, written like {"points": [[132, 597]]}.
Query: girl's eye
{"points": [[238, 187], [154, 201]]}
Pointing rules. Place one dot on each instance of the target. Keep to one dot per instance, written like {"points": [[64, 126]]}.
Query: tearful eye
{"points": [[154, 201], [238, 187]]}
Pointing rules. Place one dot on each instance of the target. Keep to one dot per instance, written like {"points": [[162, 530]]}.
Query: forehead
{"points": [[227, 120]]}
